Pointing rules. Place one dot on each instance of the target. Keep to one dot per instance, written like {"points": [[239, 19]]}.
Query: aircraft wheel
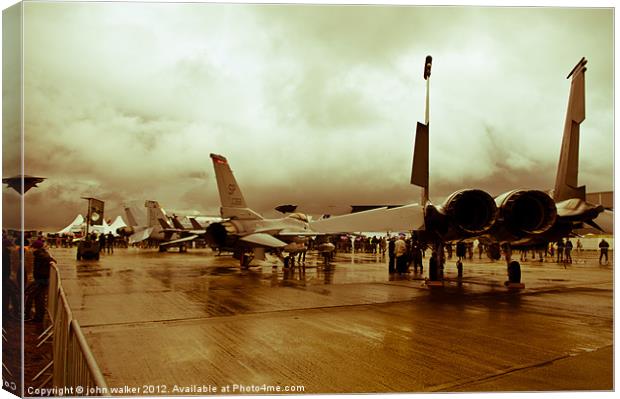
{"points": [[514, 272], [245, 261]]}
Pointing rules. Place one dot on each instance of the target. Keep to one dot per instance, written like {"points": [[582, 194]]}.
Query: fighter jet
{"points": [[184, 235], [152, 229], [517, 217], [243, 230]]}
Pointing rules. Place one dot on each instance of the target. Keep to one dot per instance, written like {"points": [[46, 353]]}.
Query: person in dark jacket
{"points": [[392, 255], [416, 255], [461, 249], [568, 247], [432, 267], [604, 247], [41, 274], [101, 243], [560, 245]]}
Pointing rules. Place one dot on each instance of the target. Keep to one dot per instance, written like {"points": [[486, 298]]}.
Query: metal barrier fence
{"points": [[52, 299], [75, 367], [85, 372]]}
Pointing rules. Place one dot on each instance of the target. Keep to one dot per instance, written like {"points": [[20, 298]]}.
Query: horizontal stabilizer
{"points": [[263, 239], [179, 241], [292, 233], [404, 218], [604, 222], [140, 235], [239, 213]]}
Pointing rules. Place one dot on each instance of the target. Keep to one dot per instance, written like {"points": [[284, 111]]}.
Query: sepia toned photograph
{"points": [[213, 199]]}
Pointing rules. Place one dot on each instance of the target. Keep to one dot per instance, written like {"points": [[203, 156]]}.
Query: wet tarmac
{"points": [[196, 321]]}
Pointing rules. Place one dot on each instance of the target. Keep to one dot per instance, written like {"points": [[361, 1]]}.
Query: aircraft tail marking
{"points": [[154, 213], [568, 166], [232, 202]]}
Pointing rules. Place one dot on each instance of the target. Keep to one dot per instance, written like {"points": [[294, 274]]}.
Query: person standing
{"points": [[432, 267], [400, 251], [109, 242], [383, 246], [459, 272], [391, 246], [604, 247], [9, 289], [550, 250], [560, 245], [568, 247], [101, 243], [460, 250], [41, 274], [416, 254]]}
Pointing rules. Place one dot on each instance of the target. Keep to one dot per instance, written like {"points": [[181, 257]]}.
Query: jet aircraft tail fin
{"points": [[232, 202], [568, 167], [154, 213], [163, 223], [176, 223], [419, 169], [195, 224], [131, 218]]}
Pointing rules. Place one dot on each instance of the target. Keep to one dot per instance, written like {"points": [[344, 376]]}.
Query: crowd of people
{"points": [[69, 240], [404, 252], [37, 263]]}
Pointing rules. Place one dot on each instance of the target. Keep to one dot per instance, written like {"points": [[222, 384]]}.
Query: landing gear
{"points": [[326, 257], [514, 276], [245, 260]]}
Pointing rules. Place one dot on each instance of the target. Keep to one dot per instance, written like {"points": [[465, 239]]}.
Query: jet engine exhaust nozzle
{"points": [[473, 211], [527, 212]]}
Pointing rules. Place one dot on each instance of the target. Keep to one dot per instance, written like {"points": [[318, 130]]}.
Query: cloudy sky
{"points": [[312, 105]]}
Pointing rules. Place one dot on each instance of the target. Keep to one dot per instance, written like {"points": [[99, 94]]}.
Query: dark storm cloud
{"points": [[312, 105]]}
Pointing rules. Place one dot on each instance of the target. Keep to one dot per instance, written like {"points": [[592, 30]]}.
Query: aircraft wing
{"points": [[179, 241], [140, 235], [404, 218], [263, 239], [292, 233]]}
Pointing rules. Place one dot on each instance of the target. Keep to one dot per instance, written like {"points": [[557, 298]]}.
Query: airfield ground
{"points": [[194, 321]]}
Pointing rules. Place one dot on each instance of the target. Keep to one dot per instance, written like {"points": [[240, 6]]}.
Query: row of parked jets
{"points": [[520, 217]]}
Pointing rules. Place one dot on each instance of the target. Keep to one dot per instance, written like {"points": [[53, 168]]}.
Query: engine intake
{"points": [[527, 212], [125, 231], [472, 211]]}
